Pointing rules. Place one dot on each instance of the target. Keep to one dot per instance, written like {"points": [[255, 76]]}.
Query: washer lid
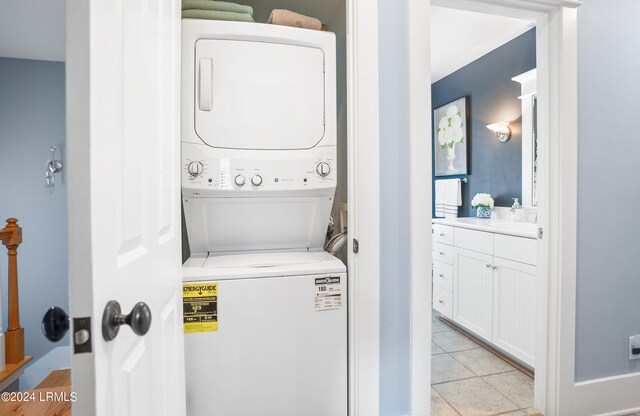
{"points": [[260, 264], [258, 95], [261, 260]]}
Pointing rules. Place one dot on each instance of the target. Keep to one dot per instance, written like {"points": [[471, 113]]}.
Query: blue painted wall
{"points": [[608, 285], [494, 167], [32, 117], [395, 393]]}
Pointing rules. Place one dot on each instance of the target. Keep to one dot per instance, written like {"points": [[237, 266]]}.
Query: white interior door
{"points": [[123, 68]]}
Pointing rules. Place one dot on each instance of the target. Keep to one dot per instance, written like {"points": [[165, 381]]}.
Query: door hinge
{"points": [[540, 232], [356, 246]]}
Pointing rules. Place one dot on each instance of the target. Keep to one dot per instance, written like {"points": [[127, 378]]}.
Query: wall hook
{"points": [[52, 166]]}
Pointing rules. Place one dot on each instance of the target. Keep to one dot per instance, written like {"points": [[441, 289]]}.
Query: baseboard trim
{"points": [[484, 344], [609, 396]]}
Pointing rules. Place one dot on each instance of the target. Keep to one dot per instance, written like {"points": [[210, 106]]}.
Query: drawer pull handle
{"points": [[487, 265], [494, 267], [442, 253], [441, 234], [441, 276], [441, 301]]}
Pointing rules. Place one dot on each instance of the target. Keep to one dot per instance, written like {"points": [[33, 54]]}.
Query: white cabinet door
{"points": [[123, 119], [473, 291], [514, 308]]}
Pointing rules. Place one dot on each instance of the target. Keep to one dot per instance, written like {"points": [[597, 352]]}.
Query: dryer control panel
{"points": [[208, 171]]}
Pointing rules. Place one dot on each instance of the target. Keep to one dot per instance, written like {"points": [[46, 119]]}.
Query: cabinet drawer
{"points": [[443, 234], [443, 253], [443, 275], [479, 241], [524, 250], [443, 301]]}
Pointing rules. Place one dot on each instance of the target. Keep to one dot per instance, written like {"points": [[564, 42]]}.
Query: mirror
{"points": [[529, 99]]}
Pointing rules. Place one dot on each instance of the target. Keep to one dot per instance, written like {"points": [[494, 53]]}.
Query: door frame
{"points": [[363, 150], [557, 62]]}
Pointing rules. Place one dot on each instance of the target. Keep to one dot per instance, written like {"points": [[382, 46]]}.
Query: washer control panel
{"points": [[206, 169]]}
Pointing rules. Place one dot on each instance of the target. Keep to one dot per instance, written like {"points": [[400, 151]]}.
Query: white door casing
{"points": [[123, 74], [364, 207]]}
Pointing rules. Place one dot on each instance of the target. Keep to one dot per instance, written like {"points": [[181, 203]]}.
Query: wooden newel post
{"points": [[14, 336]]}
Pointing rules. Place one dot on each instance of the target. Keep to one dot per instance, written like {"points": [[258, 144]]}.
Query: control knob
{"points": [[323, 169], [240, 180], [195, 168], [256, 180]]}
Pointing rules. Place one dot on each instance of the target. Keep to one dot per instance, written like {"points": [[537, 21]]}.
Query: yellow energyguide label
{"points": [[200, 307]]}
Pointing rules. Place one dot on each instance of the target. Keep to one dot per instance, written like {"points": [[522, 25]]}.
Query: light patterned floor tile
{"points": [[444, 368], [452, 341], [482, 362], [439, 407], [517, 386], [474, 397], [435, 350], [439, 326]]}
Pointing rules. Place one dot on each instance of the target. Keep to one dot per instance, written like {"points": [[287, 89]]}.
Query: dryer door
{"points": [[258, 95]]}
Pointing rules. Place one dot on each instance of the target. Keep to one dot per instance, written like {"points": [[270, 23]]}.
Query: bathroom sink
{"points": [[522, 229], [524, 226]]}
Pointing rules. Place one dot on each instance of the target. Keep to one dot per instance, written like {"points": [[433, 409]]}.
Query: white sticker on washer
{"points": [[328, 293]]}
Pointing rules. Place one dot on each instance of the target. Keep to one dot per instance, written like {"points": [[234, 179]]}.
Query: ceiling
{"points": [[459, 37], [32, 29]]}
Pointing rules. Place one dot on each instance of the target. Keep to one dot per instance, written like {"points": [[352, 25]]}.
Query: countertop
{"points": [[518, 229]]}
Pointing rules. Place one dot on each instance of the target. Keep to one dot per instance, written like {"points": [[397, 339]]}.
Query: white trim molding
{"points": [[617, 395], [420, 208], [364, 207]]}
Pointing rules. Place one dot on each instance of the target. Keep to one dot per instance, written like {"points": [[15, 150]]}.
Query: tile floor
{"points": [[468, 380]]}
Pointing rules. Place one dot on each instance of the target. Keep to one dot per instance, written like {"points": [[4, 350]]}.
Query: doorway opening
{"points": [[34, 184], [487, 271]]}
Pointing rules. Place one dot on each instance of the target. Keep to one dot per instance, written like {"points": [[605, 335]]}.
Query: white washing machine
{"points": [[265, 307]]}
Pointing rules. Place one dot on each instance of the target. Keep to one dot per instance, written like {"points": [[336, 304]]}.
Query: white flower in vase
{"points": [[484, 204], [482, 200]]}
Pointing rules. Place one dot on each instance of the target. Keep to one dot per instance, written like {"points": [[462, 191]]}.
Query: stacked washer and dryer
{"points": [[258, 183]]}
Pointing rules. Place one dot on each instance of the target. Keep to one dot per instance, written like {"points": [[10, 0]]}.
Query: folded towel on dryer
{"points": [[216, 15], [218, 6], [288, 18]]}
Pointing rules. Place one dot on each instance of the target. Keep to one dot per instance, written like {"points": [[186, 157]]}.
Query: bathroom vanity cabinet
{"points": [[485, 281]]}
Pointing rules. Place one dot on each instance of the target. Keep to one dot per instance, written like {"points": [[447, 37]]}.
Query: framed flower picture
{"points": [[451, 138]]}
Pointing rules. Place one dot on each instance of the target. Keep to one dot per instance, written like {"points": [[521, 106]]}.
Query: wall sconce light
{"points": [[501, 129]]}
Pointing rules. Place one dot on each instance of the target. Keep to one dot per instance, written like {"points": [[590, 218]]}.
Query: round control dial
{"points": [[256, 180], [240, 180], [323, 169], [195, 168]]}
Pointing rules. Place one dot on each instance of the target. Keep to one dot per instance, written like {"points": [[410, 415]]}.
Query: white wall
{"points": [[608, 278], [32, 117]]}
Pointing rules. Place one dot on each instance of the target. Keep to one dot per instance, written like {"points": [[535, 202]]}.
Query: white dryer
{"points": [[265, 307]]}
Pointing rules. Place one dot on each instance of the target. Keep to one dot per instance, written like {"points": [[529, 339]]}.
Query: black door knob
{"points": [[139, 319], [55, 324]]}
